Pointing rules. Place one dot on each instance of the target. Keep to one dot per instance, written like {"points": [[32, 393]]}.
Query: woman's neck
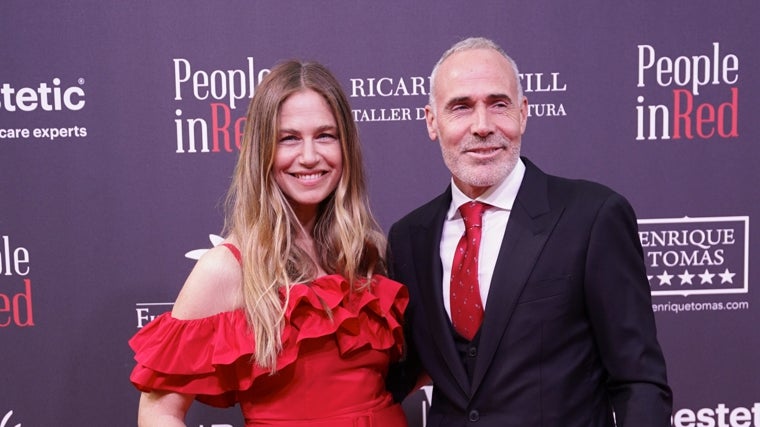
{"points": [[307, 244]]}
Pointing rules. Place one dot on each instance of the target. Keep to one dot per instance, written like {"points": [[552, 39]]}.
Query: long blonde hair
{"points": [[348, 239]]}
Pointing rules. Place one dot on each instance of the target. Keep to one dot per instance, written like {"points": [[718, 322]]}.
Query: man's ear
{"points": [[523, 114], [431, 124]]}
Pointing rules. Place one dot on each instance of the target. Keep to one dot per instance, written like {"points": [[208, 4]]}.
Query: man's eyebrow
{"points": [[458, 100], [499, 97], [490, 98]]}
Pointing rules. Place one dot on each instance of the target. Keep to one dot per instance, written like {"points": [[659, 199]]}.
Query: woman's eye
{"points": [[288, 139]]}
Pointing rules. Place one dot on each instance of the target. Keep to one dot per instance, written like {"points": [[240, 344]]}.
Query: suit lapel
{"points": [[530, 224], [427, 261]]}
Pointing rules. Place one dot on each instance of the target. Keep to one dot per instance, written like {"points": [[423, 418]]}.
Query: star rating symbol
{"points": [[706, 277], [726, 277], [686, 277], [665, 278]]}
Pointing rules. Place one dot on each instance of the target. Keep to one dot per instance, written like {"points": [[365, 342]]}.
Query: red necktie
{"points": [[466, 306]]}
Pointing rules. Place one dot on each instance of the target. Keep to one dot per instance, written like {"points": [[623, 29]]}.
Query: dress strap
{"points": [[235, 251]]}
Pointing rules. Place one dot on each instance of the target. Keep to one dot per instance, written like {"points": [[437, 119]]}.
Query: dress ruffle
{"points": [[211, 357]]}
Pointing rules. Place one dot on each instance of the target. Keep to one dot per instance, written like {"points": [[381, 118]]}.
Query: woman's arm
{"points": [[212, 287], [163, 409]]}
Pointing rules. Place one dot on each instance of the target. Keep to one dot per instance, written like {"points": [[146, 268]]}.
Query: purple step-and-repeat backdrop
{"points": [[119, 125]]}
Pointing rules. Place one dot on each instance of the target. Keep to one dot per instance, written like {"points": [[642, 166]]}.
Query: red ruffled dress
{"points": [[330, 372]]}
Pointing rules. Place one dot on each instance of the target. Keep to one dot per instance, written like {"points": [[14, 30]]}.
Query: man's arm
{"points": [[620, 308]]}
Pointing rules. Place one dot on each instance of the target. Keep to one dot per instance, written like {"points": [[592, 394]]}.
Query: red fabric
{"points": [[466, 305], [235, 251], [328, 369]]}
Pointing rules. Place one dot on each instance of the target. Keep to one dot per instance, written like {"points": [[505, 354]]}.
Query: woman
{"points": [[291, 316]]}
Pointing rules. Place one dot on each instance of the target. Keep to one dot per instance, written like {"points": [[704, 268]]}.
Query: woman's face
{"points": [[307, 162]]}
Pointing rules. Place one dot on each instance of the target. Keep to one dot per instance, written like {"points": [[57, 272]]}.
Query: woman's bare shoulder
{"points": [[213, 286]]}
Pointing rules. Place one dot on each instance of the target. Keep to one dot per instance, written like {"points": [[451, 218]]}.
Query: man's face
{"points": [[477, 118]]}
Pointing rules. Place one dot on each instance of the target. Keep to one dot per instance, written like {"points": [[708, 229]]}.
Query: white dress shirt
{"points": [[501, 198]]}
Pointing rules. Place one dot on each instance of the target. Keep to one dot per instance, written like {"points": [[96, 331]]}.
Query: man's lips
{"points": [[483, 151]]}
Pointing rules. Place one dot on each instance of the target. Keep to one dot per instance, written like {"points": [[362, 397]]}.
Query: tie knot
{"points": [[472, 213]]}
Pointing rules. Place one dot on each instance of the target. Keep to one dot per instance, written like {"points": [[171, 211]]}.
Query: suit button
{"points": [[472, 351], [474, 415]]}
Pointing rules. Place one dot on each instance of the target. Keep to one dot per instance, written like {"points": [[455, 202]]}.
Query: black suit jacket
{"points": [[568, 333]]}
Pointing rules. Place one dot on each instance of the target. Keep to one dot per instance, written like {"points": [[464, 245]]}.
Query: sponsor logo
{"points": [[703, 102], [46, 97], [16, 306], [696, 256], [719, 416], [220, 93], [397, 98], [378, 98], [537, 86]]}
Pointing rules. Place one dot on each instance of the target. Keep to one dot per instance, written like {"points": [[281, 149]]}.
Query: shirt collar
{"points": [[501, 196]]}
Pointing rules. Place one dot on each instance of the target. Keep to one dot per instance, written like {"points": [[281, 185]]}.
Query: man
{"points": [[568, 336]]}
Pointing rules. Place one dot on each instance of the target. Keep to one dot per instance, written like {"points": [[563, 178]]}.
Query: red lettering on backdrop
{"points": [[706, 117], [218, 127], [682, 112], [731, 108], [18, 308], [220, 124]]}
